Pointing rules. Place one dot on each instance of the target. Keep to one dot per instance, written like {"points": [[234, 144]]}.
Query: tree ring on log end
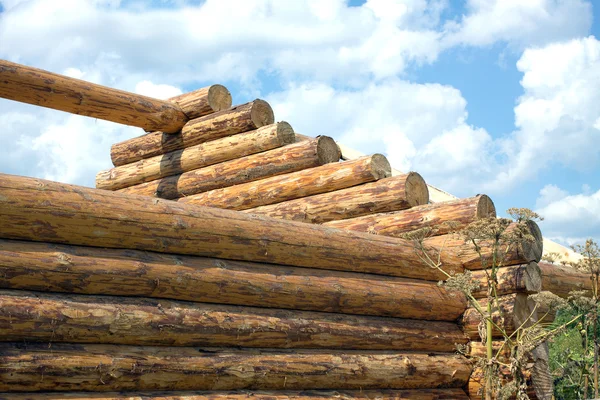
{"points": [[327, 150], [485, 207], [285, 133], [219, 98], [380, 166], [533, 250], [416, 190], [261, 113]]}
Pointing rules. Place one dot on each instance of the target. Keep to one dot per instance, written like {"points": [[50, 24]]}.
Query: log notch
{"points": [[242, 118], [521, 254], [116, 368], [87, 270], [39, 210], [525, 278], [203, 101], [295, 157], [562, 280], [46, 89], [201, 155], [435, 216], [325, 178], [406, 394], [390, 194], [30, 316]]}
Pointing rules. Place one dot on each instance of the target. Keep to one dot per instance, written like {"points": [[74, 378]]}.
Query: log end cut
{"points": [[219, 98], [380, 166], [485, 207], [327, 150], [532, 251], [417, 192], [261, 113], [285, 133]]}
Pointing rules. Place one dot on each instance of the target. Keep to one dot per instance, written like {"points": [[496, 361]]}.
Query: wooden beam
{"points": [[525, 278], [203, 101], [59, 92]]}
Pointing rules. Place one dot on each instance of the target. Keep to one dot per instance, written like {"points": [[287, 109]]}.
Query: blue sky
{"points": [[479, 96]]}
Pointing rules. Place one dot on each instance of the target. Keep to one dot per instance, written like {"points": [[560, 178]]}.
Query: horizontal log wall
{"points": [[390, 194], [295, 157], [30, 316], [238, 119], [526, 278], [203, 101], [562, 280], [194, 157], [59, 92], [406, 394], [441, 218], [326, 178], [87, 270], [34, 209], [116, 368]]}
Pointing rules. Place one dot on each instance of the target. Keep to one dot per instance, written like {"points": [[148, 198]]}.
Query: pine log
{"points": [[525, 278], [238, 119], [42, 317], [406, 394], [40, 210], [201, 155], [203, 101], [389, 194], [87, 270], [562, 280], [325, 178], [295, 157], [523, 253], [436, 216], [513, 311], [70, 367], [46, 89]]}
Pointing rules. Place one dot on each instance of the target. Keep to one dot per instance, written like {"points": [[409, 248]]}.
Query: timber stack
{"points": [[224, 256]]}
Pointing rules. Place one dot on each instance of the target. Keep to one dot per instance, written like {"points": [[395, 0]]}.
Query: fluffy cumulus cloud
{"points": [[569, 218]]}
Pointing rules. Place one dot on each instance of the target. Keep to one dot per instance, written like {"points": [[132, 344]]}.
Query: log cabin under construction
{"points": [[226, 257]]}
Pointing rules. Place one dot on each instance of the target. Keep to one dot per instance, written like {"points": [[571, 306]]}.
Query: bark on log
{"points": [[108, 368], [525, 278], [242, 118], [390, 194], [39, 210], [87, 270], [203, 101], [59, 92], [325, 178], [41, 317], [295, 157], [562, 280], [514, 310], [406, 394], [201, 155], [521, 254], [436, 216]]}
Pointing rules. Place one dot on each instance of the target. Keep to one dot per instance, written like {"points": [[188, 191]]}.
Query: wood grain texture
{"points": [[295, 157], [39, 210], [88, 270], [434, 216], [322, 179], [523, 253], [238, 119], [203, 101], [525, 278], [108, 368], [406, 394], [59, 92], [389, 194], [51, 318], [562, 280], [201, 155]]}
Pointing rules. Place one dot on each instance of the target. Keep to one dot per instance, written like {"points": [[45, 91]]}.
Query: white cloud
{"points": [[158, 91], [519, 23], [569, 218]]}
